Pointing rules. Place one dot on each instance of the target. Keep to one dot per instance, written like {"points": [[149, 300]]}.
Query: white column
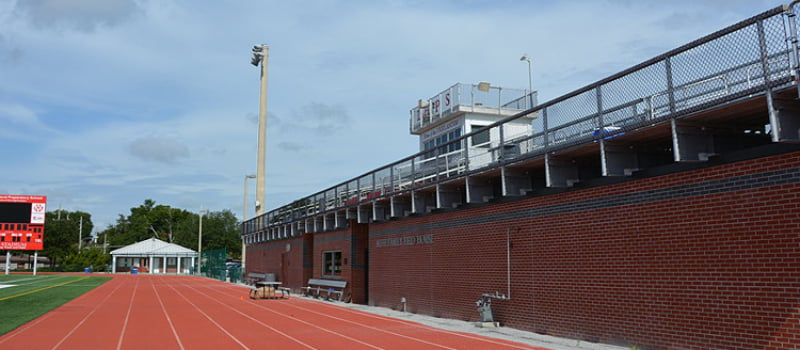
{"points": [[179, 264], [150, 267], [113, 264], [164, 263], [35, 260]]}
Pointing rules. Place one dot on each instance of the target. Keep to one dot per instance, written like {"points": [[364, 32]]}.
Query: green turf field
{"points": [[24, 297]]}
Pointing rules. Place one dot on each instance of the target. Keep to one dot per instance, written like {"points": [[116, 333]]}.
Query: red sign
{"points": [[22, 222]]}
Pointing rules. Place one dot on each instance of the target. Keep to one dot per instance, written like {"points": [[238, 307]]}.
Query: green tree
{"points": [[221, 230], [61, 231], [92, 258], [179, 226]]}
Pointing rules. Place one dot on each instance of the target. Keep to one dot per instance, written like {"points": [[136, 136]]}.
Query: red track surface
{"points": [[181, 312]]}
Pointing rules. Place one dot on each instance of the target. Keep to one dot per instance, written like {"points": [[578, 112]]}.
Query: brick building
{"points": [[659, 207]]}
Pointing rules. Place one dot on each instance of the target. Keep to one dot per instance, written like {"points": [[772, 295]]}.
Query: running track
{"points": [[185, 312]]}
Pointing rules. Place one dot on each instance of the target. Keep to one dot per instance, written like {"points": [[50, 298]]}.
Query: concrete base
{"points": [[487, 324]]}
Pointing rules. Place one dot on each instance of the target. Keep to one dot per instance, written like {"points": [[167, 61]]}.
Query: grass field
{"points": [[24, 297]]}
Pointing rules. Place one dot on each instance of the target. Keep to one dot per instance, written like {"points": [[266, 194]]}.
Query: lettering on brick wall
{"points": [[401, 241]]}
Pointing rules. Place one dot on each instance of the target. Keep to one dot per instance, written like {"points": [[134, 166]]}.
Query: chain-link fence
{"points": [[214, 264]]}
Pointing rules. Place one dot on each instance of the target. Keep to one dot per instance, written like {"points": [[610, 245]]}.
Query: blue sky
{"points": [[106, 103]]}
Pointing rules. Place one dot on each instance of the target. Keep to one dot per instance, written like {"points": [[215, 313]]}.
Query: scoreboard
{"points": [[22, 222]]}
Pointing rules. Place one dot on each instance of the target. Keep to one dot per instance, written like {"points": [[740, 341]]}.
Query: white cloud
{"points": [[113, 102]]}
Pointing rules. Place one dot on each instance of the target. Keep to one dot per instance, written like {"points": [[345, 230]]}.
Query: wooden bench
{"points": [[317, 286]]}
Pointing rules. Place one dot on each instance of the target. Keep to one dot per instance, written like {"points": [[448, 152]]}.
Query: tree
{"points": [[92, 258], [179, 226], [223, 232], [61, 231]]}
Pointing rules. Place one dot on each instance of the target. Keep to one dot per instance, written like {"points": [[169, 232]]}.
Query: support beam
{"points": [[479, 190], [449, 196], [422, 201], [515, 181], [560, 172], [618, 160], [785, 124], [364, 213], [400, 206], [691, 143], [378, 211]]}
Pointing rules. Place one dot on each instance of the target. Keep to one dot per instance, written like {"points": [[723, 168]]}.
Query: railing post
{"points": [[413, 173], [391, 179], [601, 131], [502, 146], [670, 90], [793, 40], [466, 153], [773, 118], [545, 132]]}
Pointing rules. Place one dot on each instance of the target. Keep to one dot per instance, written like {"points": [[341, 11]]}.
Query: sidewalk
{"points": [[529, 338]]}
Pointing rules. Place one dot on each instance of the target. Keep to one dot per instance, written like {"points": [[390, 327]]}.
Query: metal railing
{"points": [[747, 58], [449, 101]]}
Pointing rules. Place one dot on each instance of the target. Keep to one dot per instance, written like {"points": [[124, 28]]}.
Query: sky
{"points": [[106, 103]]}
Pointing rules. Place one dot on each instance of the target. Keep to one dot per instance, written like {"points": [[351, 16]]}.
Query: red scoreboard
{"points": [[22, 222]]}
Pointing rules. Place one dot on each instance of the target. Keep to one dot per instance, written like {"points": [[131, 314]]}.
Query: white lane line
{"points": [[89, 315], [290, 317], [127, 316], [166, 314], [209, 318]]}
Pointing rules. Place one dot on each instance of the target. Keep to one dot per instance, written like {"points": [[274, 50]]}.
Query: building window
{"points": [[480, 139], [437, 147], [332, 263]]}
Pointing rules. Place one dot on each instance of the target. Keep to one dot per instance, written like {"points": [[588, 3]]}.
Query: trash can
{"points": [[135, 271], [85, 270]]}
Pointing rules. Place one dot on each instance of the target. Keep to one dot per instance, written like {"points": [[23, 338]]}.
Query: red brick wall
{"points": [[358, 263], [333, 241], [269, 257], [700, 259]]}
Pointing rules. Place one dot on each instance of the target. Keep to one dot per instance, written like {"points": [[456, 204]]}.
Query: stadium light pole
{"points": [[261, 55], [527, 58], [244, 218], [200, 239]]}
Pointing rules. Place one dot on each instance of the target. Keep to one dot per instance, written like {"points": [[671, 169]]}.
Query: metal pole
{"points": [[200, 240], [530, 78], [8, 261], [244, 218], [35, 260], [793, 40], [80, 234], [262, 132], [530, 82]]}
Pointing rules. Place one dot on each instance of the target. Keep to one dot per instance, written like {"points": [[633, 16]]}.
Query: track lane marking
{"points": [[166, 314], [209, 318], [506, 343], [127, 316], [96, 307], [290, 317]]}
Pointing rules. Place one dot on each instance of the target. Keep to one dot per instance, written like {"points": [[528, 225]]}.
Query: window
{"points": [[332, 263], [436, 145], [480, 139]]}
